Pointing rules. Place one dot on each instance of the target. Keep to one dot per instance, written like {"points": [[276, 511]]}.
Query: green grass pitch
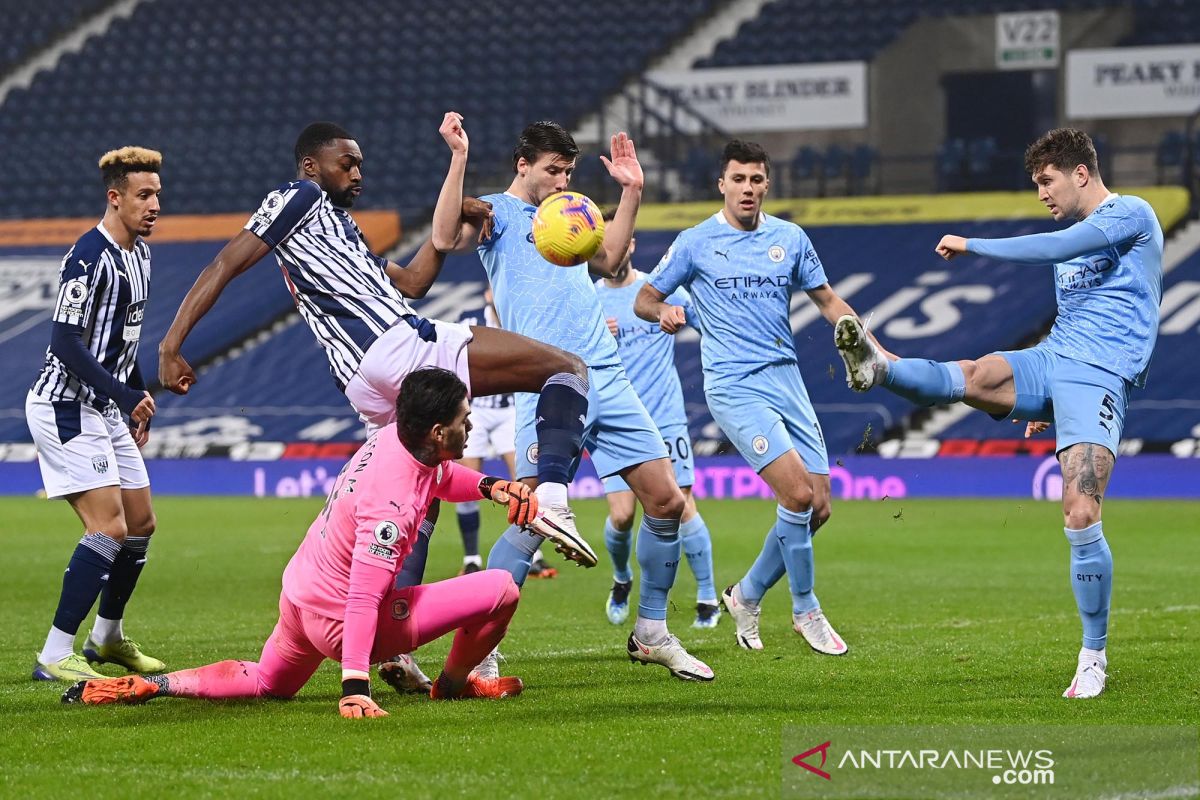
{"points": [[955, 612]]}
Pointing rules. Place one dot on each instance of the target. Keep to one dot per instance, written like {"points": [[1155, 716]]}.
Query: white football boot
{"points": [[404, 675], [819, 634], [670, 654], [489, 668], [745, 618], [1089, 675], [557, 523], [866, 367]]}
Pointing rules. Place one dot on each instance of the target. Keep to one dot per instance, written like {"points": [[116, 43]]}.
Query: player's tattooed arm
{"points": [[243, 251], [1086, 469]]}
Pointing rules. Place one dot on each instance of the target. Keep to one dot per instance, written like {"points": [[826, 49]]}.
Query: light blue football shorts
{"points": [[679, 450], [768, 413], [617, 433], [1085, 403]]}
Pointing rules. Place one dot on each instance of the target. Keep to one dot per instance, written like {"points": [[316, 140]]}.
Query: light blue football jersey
{"points": [[1108, 301], [741, 285], [647, 353], [555, 305]]}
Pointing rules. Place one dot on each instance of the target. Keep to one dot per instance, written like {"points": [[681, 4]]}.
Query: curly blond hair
{"points": [[115, 165]]}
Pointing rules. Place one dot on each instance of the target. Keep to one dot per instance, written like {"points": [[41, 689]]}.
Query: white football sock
{"points": [[551, 494], [650, 631], [59, 645], [107, 631]]}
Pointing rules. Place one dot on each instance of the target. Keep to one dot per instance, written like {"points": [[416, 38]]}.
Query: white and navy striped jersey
{"points": [[485, 317], [102, 290], [340, 287]]}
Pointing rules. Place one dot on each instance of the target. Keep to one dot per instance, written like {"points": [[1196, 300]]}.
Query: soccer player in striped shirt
{"points": [[87, 452], [339, 598], [355, 302]]}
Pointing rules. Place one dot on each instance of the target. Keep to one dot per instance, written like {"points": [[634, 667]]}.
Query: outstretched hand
{"points": [[951, 246], [452, 131], [358, 706], [521, 501], [624, 166]]}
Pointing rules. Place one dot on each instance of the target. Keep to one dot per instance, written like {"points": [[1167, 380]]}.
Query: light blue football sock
{"points": [[765, 572], [697, 548], [658, 559], [1091, 580], [513, 552], [619, 544], [795, 541], [925, 382]]}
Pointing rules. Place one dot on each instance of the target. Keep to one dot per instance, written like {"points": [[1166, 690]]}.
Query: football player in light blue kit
{"points": [[740, 266], [1108, 283], [559, 305], [649, 358]]}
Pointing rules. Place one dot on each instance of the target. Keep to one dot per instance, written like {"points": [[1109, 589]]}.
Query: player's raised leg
{"points": [[986, 384], [1086, 470], [500, 362], [658, 551]]}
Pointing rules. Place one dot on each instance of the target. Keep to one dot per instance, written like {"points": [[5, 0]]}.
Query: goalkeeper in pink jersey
{"points": [[338, 599]]}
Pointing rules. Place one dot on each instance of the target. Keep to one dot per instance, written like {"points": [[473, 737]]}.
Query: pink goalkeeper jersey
{"points": [[348, 561]]}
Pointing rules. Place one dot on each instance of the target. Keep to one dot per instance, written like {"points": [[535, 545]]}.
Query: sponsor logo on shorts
{"points": [[760, 444], [531, 455], [386, 533], [100, 464], [776, 253]]}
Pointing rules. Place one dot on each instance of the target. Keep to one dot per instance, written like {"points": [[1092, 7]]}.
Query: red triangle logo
{"points": [[823, 750]]}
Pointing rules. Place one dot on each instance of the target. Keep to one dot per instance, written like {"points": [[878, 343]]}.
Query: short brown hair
{"points": [[115, 165], [744, 153], [1064, 149]]}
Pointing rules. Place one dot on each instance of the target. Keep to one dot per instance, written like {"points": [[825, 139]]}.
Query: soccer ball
{"points": [[567, 229]]}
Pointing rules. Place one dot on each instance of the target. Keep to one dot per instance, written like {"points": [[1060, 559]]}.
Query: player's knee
{"points": [[798, 498], [622, 518], [114, 528], [566, 362], [144, 526], [1078, 516], [668, 506]]}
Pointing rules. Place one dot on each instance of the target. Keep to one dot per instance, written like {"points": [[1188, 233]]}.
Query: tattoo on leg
{"points": [[1087, 467]]}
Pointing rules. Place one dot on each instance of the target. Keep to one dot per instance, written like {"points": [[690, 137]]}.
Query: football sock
{"points": [[59, 645], [658, 558], [650, 631], [468, 526], [412, 571], [619, 544], [513, 552], [86, 573], [925, 382], [765, 572], [697, 548], [220, 681], [551, 494], [1091, 579], [126, 569], [795, 542], [561, 410]]}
